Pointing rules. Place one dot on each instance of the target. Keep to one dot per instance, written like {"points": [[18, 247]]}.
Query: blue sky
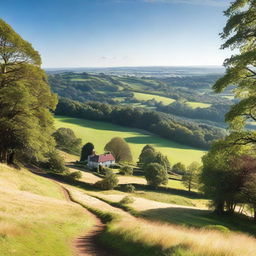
{"points": [[103, 33]]}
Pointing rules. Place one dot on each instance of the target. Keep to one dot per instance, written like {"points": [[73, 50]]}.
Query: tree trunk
{"points": [[219, 208], [10, 158], [3, 156]]}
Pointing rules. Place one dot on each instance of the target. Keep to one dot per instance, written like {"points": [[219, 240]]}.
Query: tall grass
{"points": [[135, 236], [35, 218]]}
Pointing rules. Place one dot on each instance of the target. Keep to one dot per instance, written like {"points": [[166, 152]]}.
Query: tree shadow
{"points": [[200, 218]]}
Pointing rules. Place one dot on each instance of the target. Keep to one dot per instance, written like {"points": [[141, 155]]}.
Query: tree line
{"points": [[194, 135]]}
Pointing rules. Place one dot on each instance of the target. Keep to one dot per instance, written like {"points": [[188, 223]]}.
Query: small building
{"points": [[106, 160]]}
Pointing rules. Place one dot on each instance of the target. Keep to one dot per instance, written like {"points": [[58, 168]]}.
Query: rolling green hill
{"points": [[99, 133]]}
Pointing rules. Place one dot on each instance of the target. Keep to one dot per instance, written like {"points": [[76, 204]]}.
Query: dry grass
{"points": [[168, 238], [35, 218], [198, 242]]}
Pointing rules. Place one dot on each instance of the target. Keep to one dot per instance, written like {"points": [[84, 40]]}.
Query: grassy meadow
{"points": [[166, 100], [35, 218], [137, 236], [99, 133]]}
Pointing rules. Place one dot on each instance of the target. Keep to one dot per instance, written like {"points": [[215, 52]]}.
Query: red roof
{"points": [[102, 158]]}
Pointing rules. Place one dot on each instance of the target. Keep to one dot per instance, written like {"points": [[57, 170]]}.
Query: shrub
{"points": [[156, 175], [126, 170], [129, 188], [109, 182], [75, 175], [127, 200], [55, 162], [105, 170]]}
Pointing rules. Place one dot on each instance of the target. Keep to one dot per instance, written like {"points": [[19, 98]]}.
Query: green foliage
{"points": [[165, 126], [101, 132], [179, 168], [239, 34], [120, 149], [149, 155], [26, 123], [67, 141], [126, 170], [156, 174], [55, 162], [127, 200], [190, 177], [129, 188], [77, 175], [109, 182], [87, 150]]}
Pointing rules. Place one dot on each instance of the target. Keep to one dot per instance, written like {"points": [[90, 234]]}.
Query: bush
{"points": [[115, 166], [129, 188], [55, 162], [156, 175], [105, 170], [75, 175], [127, 200], [109, 182], [126, 170]]}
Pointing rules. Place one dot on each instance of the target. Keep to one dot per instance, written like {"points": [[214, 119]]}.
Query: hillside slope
{"points": [[35, 218], [99, 133]]}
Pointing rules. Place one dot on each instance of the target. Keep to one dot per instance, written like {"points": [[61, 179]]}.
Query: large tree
{"points": [[66, 140], [239, 34], [120, 149], [87, 150], [26, 123]]}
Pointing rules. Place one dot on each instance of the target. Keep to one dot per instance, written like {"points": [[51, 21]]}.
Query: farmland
{"points": [[99, 133]]}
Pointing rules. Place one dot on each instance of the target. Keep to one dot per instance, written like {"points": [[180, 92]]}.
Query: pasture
{"points": [[99, 133], [167, 101]]}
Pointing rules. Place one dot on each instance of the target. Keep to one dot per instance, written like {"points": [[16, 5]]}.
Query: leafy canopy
{"points": [[26, 101]]}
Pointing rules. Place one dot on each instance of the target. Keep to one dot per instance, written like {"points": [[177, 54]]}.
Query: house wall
{"points": [[96, 164]]}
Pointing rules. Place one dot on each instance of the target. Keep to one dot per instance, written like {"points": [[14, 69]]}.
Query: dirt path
{"points": [[88, 244]]}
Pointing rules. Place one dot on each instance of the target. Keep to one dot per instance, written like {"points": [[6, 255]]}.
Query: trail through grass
{"points": [[35, 218], [99, 133]]}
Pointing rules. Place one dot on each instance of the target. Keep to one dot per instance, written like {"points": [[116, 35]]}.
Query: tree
{"points": [[162, 160], [239, 34], [120, 149], [156, 174], [87, 150], [26, 102], [179, 168], [146, 154], [190, 176], [221, 174], [66, 140]]}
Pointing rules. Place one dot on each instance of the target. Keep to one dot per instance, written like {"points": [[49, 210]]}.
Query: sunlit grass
{"points": [[35, 218], [145, 97], [99, 133], [135, 236]]}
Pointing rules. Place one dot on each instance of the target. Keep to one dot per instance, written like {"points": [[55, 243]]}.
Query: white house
{"points": [[106, 160]]}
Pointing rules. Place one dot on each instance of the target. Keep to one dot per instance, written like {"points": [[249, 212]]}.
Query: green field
{"points": [[99, 133], [166, 100], [198, 104], [144, 96]]}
